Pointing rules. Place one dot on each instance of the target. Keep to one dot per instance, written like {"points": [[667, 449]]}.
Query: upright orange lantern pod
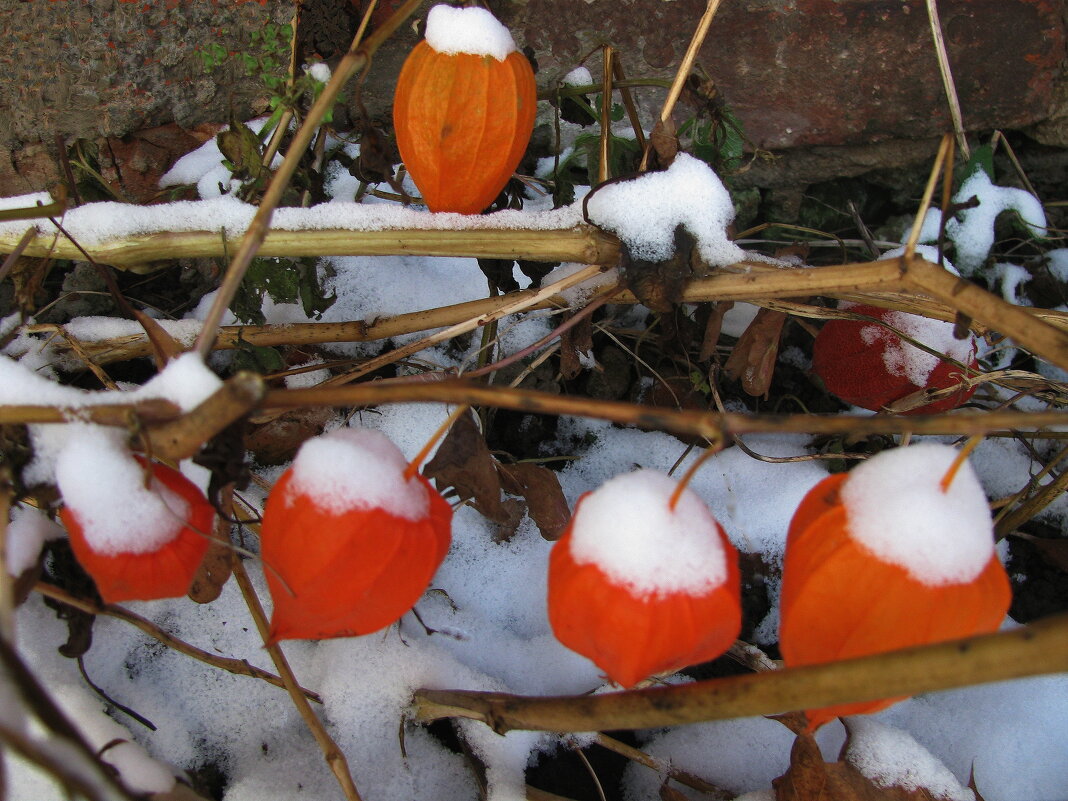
{"points": [[463, 110], [641, 585], [897, 553], [130, 571], [349, 540]]}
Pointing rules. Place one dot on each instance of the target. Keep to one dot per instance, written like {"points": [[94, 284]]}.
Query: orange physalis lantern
{"points": [[463, 110], [897, 553], [640, 584], [349, 540], [139, 542], [869, 366]]}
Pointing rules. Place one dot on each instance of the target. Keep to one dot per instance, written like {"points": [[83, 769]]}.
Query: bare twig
{"points": [[7, 583], [335, 758], [239, 667], [68, 775], [660, 766], [1040, 338], [688, 422], [608, 56], [685, 66], [945, 150], [513, 305], [947, 78], [1046, 494], [677, 421], [36, 698], [1031, 650], [183, 437], [13, 256], [753, 282]]}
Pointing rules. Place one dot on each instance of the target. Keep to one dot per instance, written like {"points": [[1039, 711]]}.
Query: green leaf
{"points": [[312, 296], [257, 358], [276, 277], [285, 281], [982, 159], [242, 148]]}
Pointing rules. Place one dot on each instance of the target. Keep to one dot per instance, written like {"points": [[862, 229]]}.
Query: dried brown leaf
{"points": [[137, 161], [277, 441], [464, 462], [753, 359], [1054, 552], [712, 329], [375, 162], [809, 778], [794, 721], [215, 568], [28, 275], [665, 144], [575, 340], [540, 487]]}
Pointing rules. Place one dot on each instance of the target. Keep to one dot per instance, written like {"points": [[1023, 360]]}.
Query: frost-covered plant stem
{"points": [[1035, 649]]}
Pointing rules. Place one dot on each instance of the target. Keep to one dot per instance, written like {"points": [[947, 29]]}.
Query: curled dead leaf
{"points": [[753, 359], [540, 487]]}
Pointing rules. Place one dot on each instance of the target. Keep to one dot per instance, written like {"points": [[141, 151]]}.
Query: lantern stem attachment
{"points": [[965, 452], [413, 465], [691, 471]]}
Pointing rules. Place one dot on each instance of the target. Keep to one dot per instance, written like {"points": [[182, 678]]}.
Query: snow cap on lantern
{"points": [[471, 30], [897, 553], [139, 529], [870, 366], [641, 588], [463, 110], [349, 542]]}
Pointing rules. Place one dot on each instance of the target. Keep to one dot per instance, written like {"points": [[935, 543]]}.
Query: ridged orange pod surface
{"points": [[897, 553], [348, 541], [162, 571], [463, 110], [639, 587]]}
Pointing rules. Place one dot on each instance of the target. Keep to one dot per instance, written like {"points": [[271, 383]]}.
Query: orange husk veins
{"points": [[854, 370], [840, 601], [462, 123], [341, 575], [165, 573], [631, 637]]}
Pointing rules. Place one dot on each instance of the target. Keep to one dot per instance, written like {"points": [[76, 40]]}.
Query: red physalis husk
{"points": [[840, 601], [341, 575], [164, 573], [631, 636], [855, 370]]}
